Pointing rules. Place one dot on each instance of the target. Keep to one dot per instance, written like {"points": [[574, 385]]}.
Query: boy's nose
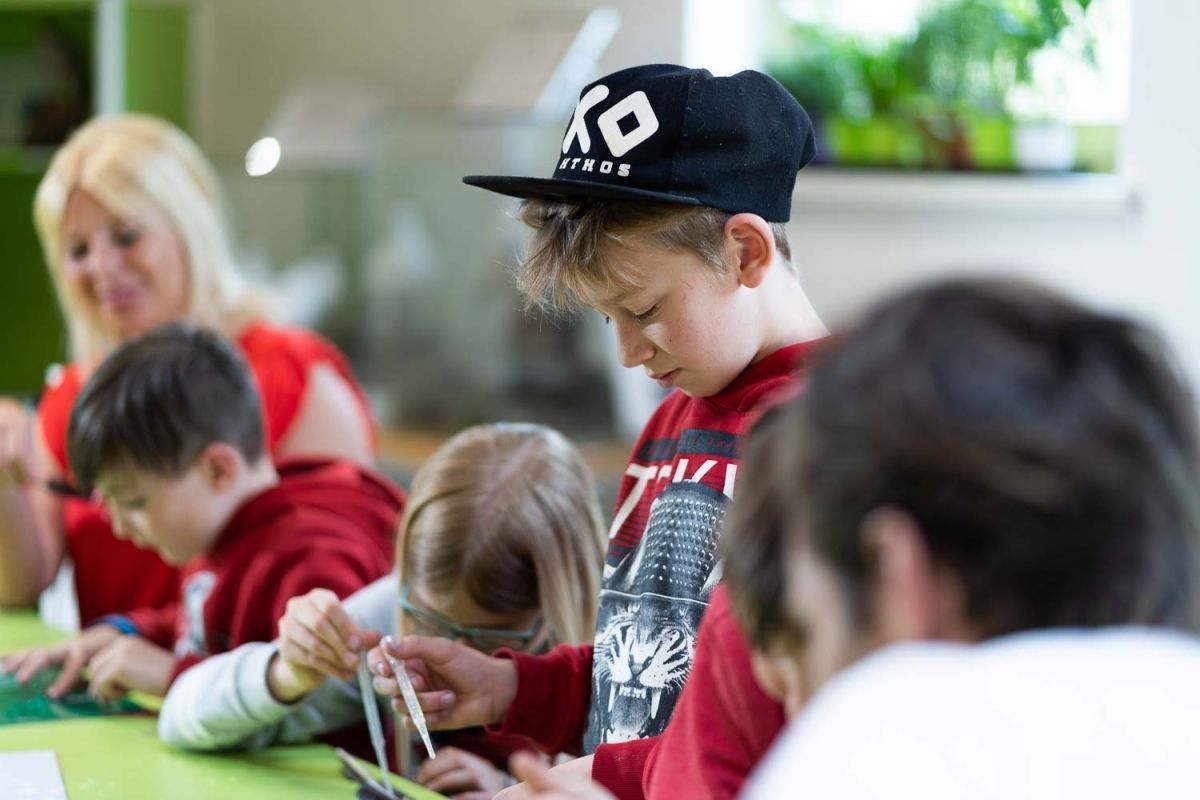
{"points": [[633, 349]]}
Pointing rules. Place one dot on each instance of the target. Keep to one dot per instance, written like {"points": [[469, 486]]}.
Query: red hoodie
{"points": [[327, 524], [281, 360]]}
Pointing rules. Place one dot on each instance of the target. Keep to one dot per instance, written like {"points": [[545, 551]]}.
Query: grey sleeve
{"points": [[224, 703]]}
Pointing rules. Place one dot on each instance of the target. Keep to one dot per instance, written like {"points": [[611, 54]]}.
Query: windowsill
{"points": [[1069, 195]]}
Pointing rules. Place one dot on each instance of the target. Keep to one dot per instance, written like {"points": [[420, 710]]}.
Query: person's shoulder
{"points": [[893, 676], [302, 535], [870, 713], [262, 338], [942, 718], [327, 482], [776, 377], [923, 691]]}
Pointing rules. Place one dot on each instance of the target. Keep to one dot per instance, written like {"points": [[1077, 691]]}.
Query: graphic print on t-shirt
{"points": [[660, 570]]}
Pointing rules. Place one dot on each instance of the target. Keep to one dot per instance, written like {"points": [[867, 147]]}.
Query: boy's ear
{"points": [[222, 465], [914, 597], [753, 246]]}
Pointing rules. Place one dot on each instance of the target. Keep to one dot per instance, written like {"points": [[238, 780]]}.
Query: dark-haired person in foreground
{"points": [[968, 555], [169, 430], [975, 538]]}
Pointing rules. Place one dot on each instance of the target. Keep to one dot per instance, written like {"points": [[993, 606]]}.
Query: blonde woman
{"points": [[500, 546], [129, 217]]}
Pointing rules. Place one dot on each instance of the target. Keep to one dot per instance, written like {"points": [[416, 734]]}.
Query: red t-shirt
{"points": [[114, 576], [683, 469]]}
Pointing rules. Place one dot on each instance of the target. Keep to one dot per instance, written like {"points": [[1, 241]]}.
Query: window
{"points": [[990, 85]]}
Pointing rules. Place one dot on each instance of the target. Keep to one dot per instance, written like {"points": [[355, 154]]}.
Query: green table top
{"points": [[118, 758], [23, 629], [121, 757]]}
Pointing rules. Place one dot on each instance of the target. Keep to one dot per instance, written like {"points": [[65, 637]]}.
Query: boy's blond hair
{"points": [[138, 166], [508, 513], [573, 257]]}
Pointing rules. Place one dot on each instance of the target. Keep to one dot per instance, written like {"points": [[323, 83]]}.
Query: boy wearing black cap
{"points": [[665, 214]]}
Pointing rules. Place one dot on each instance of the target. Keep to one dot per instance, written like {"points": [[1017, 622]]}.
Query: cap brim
{"points": [[559, 189]]}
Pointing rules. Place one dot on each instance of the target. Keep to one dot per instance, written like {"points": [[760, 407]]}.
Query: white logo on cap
{"points": [[619, 142], [579, 124], [647, 123]]}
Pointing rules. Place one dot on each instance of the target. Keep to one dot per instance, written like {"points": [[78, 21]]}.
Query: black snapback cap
{"points": [[670, 134]]}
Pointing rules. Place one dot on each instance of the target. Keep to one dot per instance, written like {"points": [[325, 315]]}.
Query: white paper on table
{"points": [[31, 775]]}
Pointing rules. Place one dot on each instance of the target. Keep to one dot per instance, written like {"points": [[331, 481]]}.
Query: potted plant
{"points": [[964, 61], [938, 97]]}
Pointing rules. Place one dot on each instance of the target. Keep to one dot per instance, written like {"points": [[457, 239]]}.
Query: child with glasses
{"points": [[500, 547]]}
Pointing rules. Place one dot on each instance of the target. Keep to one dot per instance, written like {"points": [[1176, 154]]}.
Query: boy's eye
{"points": [[77, 251], [647, 314]]}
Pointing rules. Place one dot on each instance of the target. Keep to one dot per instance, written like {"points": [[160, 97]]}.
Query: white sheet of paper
{"points": [[31, 775]]}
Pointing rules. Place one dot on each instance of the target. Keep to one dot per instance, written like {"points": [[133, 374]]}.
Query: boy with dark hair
{"points": [[665, 214], [169, 432], [987, 465]]}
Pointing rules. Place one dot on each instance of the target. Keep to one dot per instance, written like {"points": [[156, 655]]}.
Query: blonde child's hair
{"points": [[573, 257], [508, 513], [139, 167]]}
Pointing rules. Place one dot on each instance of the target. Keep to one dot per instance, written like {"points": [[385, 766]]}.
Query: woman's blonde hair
{"points": [[141, 167], [508, 513]]}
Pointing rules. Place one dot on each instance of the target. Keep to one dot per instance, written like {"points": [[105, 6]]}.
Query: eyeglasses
{"points": [[486, 640]]}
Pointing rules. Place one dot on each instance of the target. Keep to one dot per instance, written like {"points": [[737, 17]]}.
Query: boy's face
{"points": [[687, 325], [175, 516], [909, 596]]}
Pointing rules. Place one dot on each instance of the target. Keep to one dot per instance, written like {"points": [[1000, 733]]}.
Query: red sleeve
{"points": [[281, 360], [723, 724], [343, 569], [554, 692], [621, 767], [157, 624]]}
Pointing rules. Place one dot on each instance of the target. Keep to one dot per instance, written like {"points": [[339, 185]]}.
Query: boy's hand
{"points": [[569, 781], [317, 638], [457, 687], [73, 654], [461, 775], [131, 663]]}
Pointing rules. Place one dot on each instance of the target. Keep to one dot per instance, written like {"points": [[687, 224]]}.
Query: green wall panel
{"points": [[156, 61], [30, 325]]}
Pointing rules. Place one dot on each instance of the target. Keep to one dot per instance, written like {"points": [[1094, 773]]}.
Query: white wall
{"points": [[252, 51], [1145, 259]]}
